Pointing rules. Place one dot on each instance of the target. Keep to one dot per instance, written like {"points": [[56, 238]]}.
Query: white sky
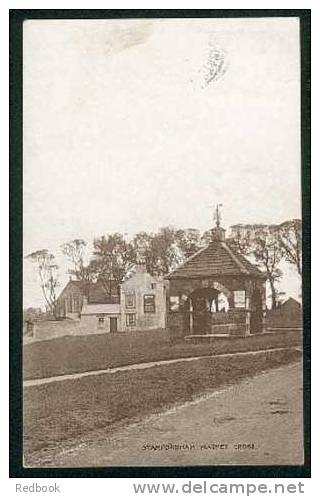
{"points": [[121, 135]]}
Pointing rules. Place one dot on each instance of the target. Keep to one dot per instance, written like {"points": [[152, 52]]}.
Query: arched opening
{"points": [[256, 318], [205, 306]]}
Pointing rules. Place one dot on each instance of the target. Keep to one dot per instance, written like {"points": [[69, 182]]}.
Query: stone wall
{"points": [[44, 330]]}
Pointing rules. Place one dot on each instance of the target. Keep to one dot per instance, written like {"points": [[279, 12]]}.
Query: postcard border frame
{"points": [[16, 469]]}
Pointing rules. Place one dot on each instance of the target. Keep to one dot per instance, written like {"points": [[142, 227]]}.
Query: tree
{"points": [[188, 241], [142, 243], [290, 241], [164, 251], [260, 242], [159, 249], [242, 237], [112, 260], [47, 269], [267, 253], [75, 250], [206, 238]]}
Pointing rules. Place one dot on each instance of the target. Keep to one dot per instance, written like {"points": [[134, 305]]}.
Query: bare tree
{"points": [[75, 250], [290, 241], [262, 243], [268, 254], [241, 238], [46, 268], [188, 241]]}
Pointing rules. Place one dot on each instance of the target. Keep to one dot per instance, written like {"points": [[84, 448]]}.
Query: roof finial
{"points": [[217, 215], [218, 233]]}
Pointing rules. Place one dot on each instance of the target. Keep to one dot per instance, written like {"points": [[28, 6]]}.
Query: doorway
{"points": [[201, 303], [113, 325]]}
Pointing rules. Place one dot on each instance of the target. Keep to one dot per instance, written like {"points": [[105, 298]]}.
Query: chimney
{"points": [[141, 261]]}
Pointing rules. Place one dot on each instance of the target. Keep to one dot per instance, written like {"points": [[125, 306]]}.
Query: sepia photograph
{"points": [[162, 242]]}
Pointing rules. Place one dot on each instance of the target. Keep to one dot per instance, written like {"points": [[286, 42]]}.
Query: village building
{"points": [[143, 301], [100, 318], [288, 314], [139, 303], [217, 291], [77, 293]]}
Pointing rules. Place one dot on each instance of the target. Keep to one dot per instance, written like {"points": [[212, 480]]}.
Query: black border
{"points": [[16, 18]]}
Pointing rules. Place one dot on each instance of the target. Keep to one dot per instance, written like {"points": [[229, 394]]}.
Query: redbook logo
{"points": [[36, 488]]}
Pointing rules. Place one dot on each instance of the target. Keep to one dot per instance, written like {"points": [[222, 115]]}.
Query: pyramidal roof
{"points": [[218, 258]]}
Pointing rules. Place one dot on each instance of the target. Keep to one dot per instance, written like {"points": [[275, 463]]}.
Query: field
{"points": [[74, 354], [60, 415]]}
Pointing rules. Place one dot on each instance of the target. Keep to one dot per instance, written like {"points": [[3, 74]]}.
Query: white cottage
{"points": [[143, 301], [100, 318]]}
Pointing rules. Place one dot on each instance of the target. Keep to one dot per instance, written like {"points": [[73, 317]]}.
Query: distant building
{"points": [[32, 316], [290, 306], [77, 293], [286, 315]]}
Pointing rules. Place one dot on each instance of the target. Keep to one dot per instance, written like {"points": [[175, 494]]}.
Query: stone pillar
{"points": [[248, 313], [216, 302], [231, 301], [248, 307], [264, 307]]}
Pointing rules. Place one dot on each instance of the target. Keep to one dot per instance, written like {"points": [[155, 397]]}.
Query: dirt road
{"points": [[257, 421]]}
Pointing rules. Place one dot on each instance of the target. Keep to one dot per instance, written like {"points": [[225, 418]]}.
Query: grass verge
{"points": [[75, 410], [76, 354]]}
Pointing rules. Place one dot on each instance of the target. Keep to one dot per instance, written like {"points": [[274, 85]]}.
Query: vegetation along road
{"points": [[256, 421], [65, 416]]}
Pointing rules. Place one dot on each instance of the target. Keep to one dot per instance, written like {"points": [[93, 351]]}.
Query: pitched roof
{"points": [[98, 295], [218, 258], [94, 291], [290, 302]]}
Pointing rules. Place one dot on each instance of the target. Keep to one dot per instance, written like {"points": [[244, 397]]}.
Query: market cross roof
{"points": [[218, 258]]}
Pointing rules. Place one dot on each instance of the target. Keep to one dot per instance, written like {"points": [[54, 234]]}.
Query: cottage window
{"points": [[239, 298], [149, 304], [153, 286], [100, 322], [130, 300], [130, 319]]}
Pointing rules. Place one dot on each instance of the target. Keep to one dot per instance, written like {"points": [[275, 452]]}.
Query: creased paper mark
{"points": [[215, 65]]}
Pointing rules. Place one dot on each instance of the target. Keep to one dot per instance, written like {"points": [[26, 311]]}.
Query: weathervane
{"points": [[217, 215]]}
